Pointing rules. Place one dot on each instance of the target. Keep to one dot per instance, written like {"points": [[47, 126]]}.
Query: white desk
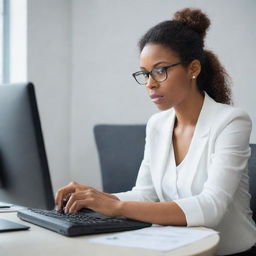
{"points": [[42, 242]]}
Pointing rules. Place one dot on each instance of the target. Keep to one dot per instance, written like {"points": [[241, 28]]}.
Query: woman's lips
{"points": [[156, 98]]}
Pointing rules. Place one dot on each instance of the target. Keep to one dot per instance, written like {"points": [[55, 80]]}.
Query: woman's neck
{"points": [[188, 111]]}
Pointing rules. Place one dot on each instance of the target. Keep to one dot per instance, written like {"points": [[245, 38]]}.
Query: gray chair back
{"points": [[120, 150], [252, 176]]}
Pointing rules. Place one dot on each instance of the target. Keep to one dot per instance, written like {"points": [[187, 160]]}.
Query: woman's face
{"points": [[176, 88]]}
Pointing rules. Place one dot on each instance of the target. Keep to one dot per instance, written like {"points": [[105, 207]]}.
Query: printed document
{"points": [[160, 238]]}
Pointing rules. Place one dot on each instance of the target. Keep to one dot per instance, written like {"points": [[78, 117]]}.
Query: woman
{"points": [[194, 171]]}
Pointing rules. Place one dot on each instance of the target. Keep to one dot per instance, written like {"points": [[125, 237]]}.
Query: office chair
{"points": [[120, 149], [252, 175]]}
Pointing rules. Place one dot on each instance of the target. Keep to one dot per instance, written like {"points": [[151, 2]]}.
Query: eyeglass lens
{"points": [[158, 74]]}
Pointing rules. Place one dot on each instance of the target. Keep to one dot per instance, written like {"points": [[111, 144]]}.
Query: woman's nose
{"points": [[152, 84]]}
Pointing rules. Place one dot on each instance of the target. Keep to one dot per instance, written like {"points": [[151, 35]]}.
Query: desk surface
{"points": [[40, 242]]}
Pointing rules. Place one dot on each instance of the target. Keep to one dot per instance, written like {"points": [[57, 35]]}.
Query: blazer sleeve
{"points": [[228, 162], [144, 189]]}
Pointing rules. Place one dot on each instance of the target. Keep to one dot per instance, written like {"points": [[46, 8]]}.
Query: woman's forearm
{"points": [[162, 213]]}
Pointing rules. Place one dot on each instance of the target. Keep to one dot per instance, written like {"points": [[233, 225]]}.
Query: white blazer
{"points": [[215, 187]]}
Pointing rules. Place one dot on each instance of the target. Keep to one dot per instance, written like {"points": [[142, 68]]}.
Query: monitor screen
{"points": [[24, 173]]}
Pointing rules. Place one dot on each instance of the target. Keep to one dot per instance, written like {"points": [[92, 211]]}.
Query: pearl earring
{"points": [[193, 77]]}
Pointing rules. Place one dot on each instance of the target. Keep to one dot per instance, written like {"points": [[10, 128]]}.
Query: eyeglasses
{"points": [[158, 74]]}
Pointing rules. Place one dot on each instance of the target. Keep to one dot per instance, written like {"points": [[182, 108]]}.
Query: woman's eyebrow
{"points": [[156, 64], [161, 62]]}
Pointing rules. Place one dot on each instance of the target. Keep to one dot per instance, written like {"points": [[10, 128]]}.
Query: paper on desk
{"points": [[12, 208], [160, 238]]}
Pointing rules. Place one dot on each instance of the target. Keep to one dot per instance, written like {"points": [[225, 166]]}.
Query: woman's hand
{"points": [[78, 196]]}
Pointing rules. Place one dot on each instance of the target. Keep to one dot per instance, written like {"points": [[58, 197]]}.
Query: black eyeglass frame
{"points": [[147, 73]]}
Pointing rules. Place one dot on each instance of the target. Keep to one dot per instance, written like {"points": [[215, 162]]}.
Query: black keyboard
{"points": [[77, 218], [85, 222]]}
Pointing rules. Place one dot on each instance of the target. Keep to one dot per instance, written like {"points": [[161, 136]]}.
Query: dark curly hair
{"points": [[185, 36]]}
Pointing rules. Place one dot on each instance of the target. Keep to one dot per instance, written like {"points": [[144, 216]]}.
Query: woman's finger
{"points": [[62, 193], [72, 199], [78, 205]]}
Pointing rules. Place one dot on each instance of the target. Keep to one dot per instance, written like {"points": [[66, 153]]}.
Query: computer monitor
{"points": [[24, 173]]}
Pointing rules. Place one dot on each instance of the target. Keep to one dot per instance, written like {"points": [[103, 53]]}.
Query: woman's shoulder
{"points": [[225, 114]]}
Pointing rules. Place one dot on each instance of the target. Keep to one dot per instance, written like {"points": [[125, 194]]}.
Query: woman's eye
{"points": [[145, 75], [159, 71]]}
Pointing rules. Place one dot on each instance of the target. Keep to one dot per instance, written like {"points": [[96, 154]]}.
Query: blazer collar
{"points": [[206, 117], [204, 122]]}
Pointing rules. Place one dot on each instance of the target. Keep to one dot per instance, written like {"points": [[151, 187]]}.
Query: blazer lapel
{"points": [[198, 146], [161, 149]]}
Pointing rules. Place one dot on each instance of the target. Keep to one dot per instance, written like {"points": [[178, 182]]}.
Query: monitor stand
{"points": [[6, 226]]}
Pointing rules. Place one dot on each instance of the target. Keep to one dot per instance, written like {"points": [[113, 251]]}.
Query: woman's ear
{"points": [[194, 69]]}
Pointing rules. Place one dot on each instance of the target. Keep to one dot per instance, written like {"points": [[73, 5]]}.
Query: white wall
{"points": [[104, 54], [49, 67], [81, 54]]}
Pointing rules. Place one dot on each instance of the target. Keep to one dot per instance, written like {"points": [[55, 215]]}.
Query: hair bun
{"points": [[195, 19]]}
